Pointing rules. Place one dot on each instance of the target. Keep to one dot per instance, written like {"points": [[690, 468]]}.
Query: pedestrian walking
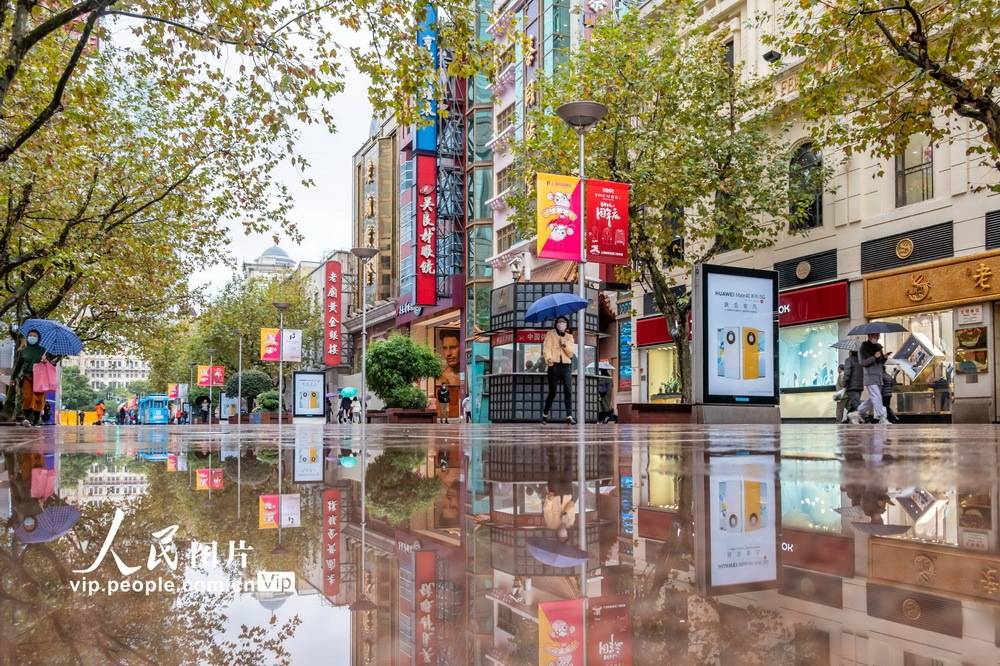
{"points": [[467, 408], [101, 411], [344, 415], [32, 403], [604, 386], [122, 415], [444, 403], [853, 382], [559, 349], [873, 363], [356, 410], [888, 384]]}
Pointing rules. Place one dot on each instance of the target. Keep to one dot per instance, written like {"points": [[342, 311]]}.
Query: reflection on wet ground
{"points": [[475, 545]]}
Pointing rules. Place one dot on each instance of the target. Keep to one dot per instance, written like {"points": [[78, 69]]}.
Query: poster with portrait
{"points": [[448, 345]]}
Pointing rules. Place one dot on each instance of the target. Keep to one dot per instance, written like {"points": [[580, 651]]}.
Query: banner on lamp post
{"points": [[426, 231], [558, 216], [211, 375], [270, 345], [333, 301], [607, 221], [560, 632], [288, 348]]}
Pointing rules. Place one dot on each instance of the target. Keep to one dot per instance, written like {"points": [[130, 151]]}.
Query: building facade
{"points": [[273, 263], [110, 371]]}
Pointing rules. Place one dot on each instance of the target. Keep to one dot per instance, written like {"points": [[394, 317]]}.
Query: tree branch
{"points": [[201, 32]]}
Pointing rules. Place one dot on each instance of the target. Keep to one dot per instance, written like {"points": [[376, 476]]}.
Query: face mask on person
{"points": [[32, 339], [561, 327]]}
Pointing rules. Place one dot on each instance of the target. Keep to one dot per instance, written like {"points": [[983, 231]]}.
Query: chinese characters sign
{"points": [[609, 632], [331, 542], [211, 375], [625, 355], [607, 222], [332, 313], [209, 479], [288, 348], [273, 509], [558, 216], [427, 40], [560, 632], [425, 600], [426, 231]]}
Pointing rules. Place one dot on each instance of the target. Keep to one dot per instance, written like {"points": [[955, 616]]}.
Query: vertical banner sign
{"points": [[333, 301], [270, 346], [560, 632], [426, 259], [291, 345], [331, 542], [267, 517], [211, 375], [625, 354], [607, 222], [609, 632], [558, 216], [173, 391], [208, 479], [425, 601], [426, 140], [218, 375]]}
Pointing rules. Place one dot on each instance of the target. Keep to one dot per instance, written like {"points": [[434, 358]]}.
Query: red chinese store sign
{"points": [[426, 230], [331, 542], [607, 221], [425, 600], [333, 302]]}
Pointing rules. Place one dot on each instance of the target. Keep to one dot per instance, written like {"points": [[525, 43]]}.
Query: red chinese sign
{"points": [[560, 632], [531, 337], [333, 306], [211, 375], [607, 221], [609, 632], [811, 304], [331, 542], [425, 260], [425, 600]]}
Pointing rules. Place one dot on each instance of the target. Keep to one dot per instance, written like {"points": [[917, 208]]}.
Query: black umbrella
{"points": [[878, 327]]}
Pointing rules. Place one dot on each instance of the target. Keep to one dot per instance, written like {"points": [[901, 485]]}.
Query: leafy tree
{"points": [[394, 490], [394, 365], [76, 391], [693, 136], [267, 401], [254, 382], [139, 387], [871, 73]]}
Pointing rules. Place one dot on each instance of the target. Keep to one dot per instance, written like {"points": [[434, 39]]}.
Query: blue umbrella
{"points": [[555, 553], [348, 392], [57, 339], [50, 524], [554, 305]]}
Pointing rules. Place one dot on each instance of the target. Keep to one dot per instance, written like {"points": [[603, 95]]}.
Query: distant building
{"points": [[273, 262], [109, 371], [103, 483]]}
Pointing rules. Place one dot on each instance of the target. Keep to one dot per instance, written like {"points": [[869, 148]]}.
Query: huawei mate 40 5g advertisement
{"points": [[742, 510], [740, 335]]}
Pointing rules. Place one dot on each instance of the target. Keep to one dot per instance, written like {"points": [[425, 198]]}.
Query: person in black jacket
{"points": [[853, 381], [873, 364]]}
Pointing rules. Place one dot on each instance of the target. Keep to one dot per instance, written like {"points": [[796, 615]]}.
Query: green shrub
{"points": [[395, 492], [395, 365], [407, 397], [267, 402]]}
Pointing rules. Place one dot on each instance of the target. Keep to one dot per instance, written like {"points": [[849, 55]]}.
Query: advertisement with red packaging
{"points": [[332, 312], [560, 633], [331, 542], [607, 221], [426, 230], [609, 632]]}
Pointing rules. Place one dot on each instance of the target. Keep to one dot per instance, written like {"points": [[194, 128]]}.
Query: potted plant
{"points": [[266, 409], [251, 383], [394, 367]]}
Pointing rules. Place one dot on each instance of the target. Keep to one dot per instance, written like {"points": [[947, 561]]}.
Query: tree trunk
{"points": [[684, 360]]}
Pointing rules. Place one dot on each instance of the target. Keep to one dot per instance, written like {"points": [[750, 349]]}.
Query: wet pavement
{"points": [[808, 544]]}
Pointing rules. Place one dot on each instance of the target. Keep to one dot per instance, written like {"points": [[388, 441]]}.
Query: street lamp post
{"points": [[190, 387], [581, 116], [281, 306], [239, 382], [211, 383]]}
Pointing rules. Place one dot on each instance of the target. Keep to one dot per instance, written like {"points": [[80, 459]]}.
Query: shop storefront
{"points": [[944, 363], [657, 361], [811, 320], [517, 380]]}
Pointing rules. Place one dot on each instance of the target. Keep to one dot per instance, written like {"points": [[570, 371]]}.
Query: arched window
{"points": [[805, 181]]}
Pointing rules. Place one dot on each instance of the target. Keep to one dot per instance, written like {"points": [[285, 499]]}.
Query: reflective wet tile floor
{"points": [[474, 545]]}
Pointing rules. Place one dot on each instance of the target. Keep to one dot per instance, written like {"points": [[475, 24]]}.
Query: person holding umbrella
{"points": [[559, 349], [32, 352], [873, 365]]}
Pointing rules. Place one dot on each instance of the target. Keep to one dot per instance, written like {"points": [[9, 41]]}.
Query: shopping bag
{"points": [[43, 377], [43, 482]]}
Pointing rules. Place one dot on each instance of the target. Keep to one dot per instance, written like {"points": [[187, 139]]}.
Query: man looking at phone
{"points": [[873, 365]]}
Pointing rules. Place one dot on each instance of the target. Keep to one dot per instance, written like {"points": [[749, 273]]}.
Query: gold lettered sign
{"points": [[933, 285], [935, 567]]}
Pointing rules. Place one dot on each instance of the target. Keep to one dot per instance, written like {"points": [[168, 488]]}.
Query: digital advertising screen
{"points": [[310, 399]]}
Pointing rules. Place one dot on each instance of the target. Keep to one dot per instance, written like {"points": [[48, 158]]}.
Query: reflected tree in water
{"points": [[395, 490]]}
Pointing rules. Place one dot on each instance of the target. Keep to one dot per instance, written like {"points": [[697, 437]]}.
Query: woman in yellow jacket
{"points": [[558, 350]]}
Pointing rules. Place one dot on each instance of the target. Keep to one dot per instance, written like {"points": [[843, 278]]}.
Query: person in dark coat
{"points": [[888, 383], [853, 381], [873, 362], [32, 403]]}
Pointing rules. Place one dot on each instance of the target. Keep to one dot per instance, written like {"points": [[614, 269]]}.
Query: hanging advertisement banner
{"points": [[211, 375], [228, 407], [182, 392], [426, 246], [290, 510], [560, 632], [609, 632], [625, 355], [209, 479], [427, 39], [173, 391], [737, 312], [267, 508], [310, 392], [288, 348], [171, 462], [607, 221], [558, 217], [332, 312], [331, 542]]}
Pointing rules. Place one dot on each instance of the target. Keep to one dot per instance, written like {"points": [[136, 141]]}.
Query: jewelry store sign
{"points": [[951, 282]]}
